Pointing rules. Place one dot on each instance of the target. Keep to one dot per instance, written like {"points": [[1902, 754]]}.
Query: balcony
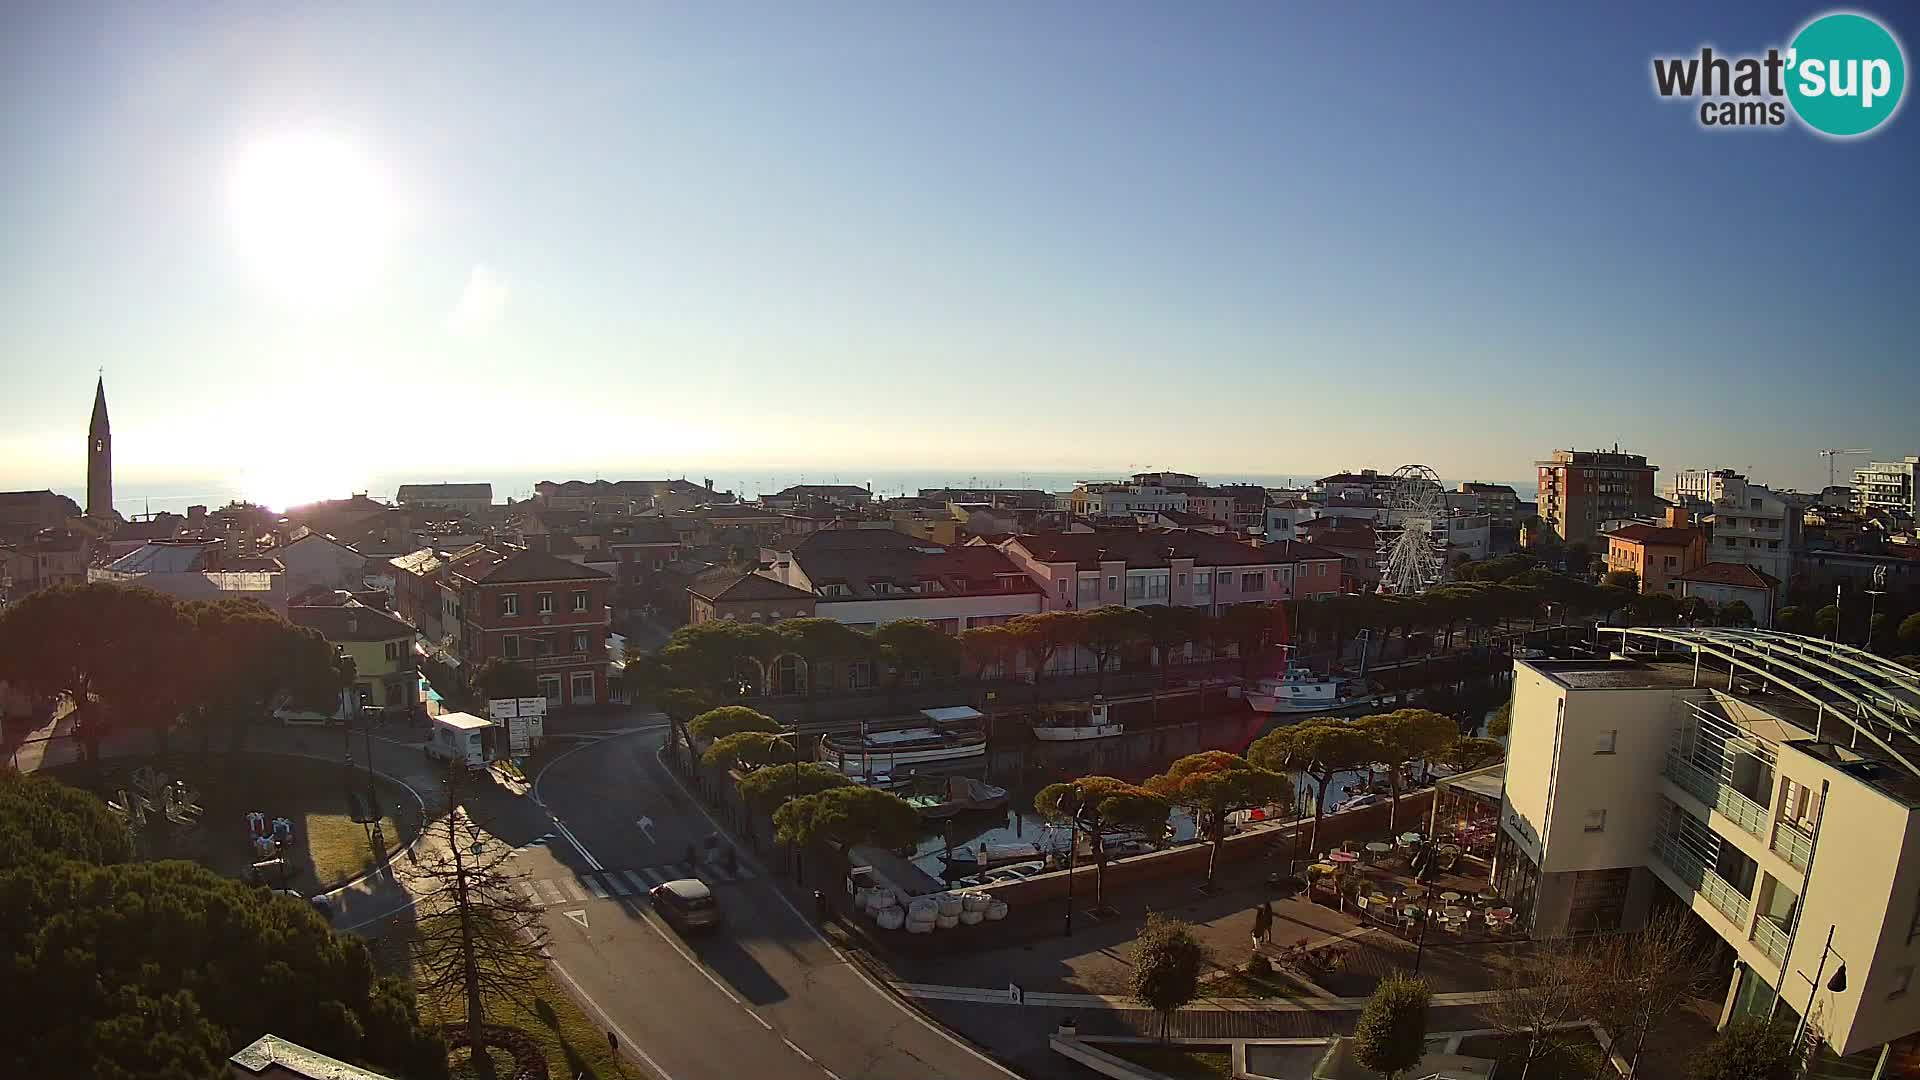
{"points": [[1686, 866], [1792, 843], [1712, 791], [1771, 938]]}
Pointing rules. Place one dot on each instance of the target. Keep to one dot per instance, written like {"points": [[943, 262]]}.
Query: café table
{"points": [[1378, 848], [1344, 858]]}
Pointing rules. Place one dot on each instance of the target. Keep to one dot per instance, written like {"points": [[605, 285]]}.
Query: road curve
{"points": [[767, 996]]}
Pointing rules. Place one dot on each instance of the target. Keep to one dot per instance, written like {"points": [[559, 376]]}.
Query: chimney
{"points": [[709, 483]]}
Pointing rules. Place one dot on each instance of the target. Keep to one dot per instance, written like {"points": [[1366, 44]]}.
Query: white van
{"points": [[460, 737]]}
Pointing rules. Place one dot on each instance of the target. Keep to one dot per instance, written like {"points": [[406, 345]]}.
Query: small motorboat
{"points": [[982, 857], [1074, 724], [955, 795]]}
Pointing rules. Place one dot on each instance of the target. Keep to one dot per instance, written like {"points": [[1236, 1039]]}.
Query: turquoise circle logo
{"points": [[1845, 74]]}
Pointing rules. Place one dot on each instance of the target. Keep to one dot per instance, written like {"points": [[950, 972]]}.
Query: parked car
{"points": [[687, 905]]}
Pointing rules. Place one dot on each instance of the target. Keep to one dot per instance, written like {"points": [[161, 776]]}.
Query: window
{"points": [[550, 688], [1063, 586], [1596, 821], [1901, 978], [1253, 583], [542, 646], [510, 603], [579, 641], [543, 603], [580, 600], [1183, 581], [510, 646], [583, 688], [1607, 741], [394, 648], [1112, 582], [1323, 569]]}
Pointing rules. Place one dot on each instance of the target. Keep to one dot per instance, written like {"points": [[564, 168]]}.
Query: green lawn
{"points": [[1182, 1062], [1240, 984], [329, 847], [1576, 1062]]}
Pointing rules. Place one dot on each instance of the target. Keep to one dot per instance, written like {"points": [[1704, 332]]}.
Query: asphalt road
{"points": [[766, 996]]}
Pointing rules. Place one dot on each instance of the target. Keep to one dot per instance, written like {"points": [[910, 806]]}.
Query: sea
{"points": [[137, 498]]}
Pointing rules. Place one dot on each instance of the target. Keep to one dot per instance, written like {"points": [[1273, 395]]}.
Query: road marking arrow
{"points": [[577, 916], [646, 826]]}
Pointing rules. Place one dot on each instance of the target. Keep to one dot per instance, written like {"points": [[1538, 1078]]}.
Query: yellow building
{"points": [[385, 672]]}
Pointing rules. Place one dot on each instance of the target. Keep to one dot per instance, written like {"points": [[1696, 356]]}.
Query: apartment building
{"points": [[1499, 502], [471, 499], [1122, 500], [1767, 782], [538, 610], [1579, 489], [1886, 484], [1751, 523], [1176, 567]]}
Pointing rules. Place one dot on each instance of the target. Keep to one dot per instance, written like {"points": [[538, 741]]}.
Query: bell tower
{"points": [[100, 456]]}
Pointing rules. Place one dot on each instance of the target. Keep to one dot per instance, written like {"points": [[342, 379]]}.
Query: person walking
{"points": [[1262, 923]]}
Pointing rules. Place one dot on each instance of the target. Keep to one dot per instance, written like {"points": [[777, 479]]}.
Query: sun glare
{"points": [[310, 214]]}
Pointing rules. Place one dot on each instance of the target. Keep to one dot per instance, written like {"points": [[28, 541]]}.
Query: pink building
{"points": [[1179, 568]]}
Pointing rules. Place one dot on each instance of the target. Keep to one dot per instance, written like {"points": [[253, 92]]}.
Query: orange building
{"points": [[1657, 555]]}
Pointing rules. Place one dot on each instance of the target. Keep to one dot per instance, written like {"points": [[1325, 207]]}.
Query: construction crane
{"points": [[1831, 454]]}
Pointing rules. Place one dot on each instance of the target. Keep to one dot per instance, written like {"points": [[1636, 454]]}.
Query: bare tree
{"points": [[477, 936], [1548, 987], [1642, 978]]}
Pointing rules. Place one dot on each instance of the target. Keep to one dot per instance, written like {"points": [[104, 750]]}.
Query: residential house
{"points": [[639, 554], [1363, 485], [1356, 542], [1658, 555], [386, 673], [538, 610], [43, 560], [1721, 583], [314, 559], [1093, 500], [1709, 769], [1751, 524], [418, 596], [627, 496], [1579, 489], [1499, 502], [24, 513], [844, 496], [756, 598]]}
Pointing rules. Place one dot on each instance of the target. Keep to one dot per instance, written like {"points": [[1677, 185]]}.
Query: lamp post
{"points": [[1837, 984], [1070, 802]]}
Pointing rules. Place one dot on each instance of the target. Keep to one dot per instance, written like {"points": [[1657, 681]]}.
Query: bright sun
{"points": [[311, 214]]}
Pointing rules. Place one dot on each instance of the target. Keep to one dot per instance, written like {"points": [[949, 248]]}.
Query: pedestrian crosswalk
{"points": [[617, 884]]}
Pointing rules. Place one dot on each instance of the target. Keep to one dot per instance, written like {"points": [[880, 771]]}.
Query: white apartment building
{"points": [[1887, 485], [1752, 524], [1770, 783], [1122, 500]]}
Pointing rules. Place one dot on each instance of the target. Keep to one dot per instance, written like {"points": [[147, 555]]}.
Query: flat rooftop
{"points": [[1616, 674]]}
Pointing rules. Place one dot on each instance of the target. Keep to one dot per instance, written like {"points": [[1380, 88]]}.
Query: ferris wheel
{"points": [[1413, 540]]}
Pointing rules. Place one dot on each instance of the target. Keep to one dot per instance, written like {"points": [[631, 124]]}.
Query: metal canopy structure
{"points": [[1878, 699]]}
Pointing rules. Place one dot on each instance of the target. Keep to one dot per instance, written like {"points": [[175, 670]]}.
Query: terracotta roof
{"points": [[860, 540], [1294, 551], [508, 567], [748, 587], [349, 622], [1655, 534], [972, 570], [1736, 574]]}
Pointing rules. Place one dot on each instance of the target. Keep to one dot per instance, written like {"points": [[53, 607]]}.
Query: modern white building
{"points": [[1887, 484], [1752, 524], [1770, 783]]}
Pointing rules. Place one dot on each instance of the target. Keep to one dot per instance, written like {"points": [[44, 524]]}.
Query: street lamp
{"points": [[1070, 802], [1837, 984]]}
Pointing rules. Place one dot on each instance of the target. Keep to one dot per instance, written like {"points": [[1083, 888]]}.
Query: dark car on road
{"points": [[687, 904]]}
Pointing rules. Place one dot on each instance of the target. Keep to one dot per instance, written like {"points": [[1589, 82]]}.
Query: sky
{"points": [[310, 244]]}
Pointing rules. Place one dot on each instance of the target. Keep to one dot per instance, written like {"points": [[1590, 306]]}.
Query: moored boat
{"points": [[1074, 724], [939, 735]]}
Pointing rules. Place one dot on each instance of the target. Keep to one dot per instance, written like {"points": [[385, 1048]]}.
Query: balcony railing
{"points": [[1709, 789], [1792, 843], [1688, 868], [1771, 938]]}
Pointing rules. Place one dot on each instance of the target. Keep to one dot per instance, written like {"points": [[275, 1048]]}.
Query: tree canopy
{"points": [[1408, 735], [1748, 1048], [847, 816], [43, 818], [1391, 1036], [731, 719], [1323, 749], [503, 678], [765, 789], [1093, 805], [749, 750], [1167, 962], [164, 969], [1214, 784]]}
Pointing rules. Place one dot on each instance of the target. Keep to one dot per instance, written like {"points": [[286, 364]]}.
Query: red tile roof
{"points": [[509, 567], [1735, 574], [748, 587], [1141, 549], [1657, 535]]}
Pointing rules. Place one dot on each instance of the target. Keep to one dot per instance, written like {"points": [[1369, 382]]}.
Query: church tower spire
{"points": [[100, 456]]}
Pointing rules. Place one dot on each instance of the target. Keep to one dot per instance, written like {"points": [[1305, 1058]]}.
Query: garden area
{"points": [[1176, 1060], [326, 846], [1577, 1057]]}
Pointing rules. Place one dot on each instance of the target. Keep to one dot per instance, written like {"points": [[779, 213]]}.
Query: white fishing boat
{"points": [[1076, 724], [1301, 690], [939, 735]]}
